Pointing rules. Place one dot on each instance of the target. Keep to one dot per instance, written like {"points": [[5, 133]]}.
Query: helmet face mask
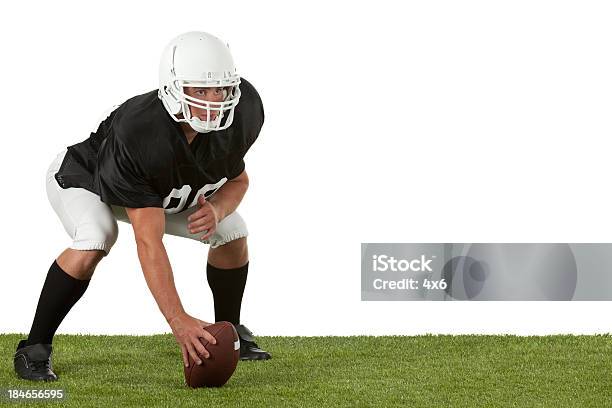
{"points": [[198, 60], [223, 111]]}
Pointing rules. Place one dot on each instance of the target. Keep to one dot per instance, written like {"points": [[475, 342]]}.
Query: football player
{"points": [[168, 161]]}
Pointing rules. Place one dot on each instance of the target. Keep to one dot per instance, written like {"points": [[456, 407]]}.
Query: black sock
{"points": [[227, 287], [59, 293]]}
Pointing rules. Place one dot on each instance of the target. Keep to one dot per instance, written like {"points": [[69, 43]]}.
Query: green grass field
{"points": [[423, 371]]}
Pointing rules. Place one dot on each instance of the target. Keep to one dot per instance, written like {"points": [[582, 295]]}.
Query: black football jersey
{"points": [[139, 156]]}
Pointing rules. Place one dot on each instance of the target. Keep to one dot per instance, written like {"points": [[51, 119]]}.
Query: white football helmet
{"points": [[198, 59]]}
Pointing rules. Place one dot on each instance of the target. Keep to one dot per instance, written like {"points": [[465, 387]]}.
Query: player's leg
{"points": [[66, 282], [226, 272], [233, 254], [78, 263], [93, 229]]}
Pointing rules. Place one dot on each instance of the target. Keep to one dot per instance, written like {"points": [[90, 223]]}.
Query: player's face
{"points": [[205, 94]]}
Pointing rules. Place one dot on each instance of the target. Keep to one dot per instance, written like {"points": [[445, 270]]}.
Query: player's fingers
{"points": [[208, 234], [204, 227], [200, 348], [211, 339], [199, 221], [197, 214], [193, 353], [184, 353]]}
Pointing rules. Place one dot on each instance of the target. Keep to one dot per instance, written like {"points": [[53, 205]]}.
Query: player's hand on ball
{"points": [[187, 331], [204, 219]]}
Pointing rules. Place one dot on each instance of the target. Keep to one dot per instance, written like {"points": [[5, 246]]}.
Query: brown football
{"points": [[219, 367]]}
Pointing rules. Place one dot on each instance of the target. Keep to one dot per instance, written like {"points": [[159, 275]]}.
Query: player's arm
{"points": [[149, 224], [228, 197]]}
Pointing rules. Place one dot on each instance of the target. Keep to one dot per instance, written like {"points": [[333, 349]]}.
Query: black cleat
{"points": [[34, 362], [248, 348]]}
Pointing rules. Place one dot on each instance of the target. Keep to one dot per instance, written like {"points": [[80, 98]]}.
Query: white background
{"points": [[435, 121]]}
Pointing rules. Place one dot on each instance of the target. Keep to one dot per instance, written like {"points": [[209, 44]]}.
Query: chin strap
{"points": [[200, 125]]}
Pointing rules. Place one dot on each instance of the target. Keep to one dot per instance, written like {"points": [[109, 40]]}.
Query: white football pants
{"points": [[92, 224]]}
